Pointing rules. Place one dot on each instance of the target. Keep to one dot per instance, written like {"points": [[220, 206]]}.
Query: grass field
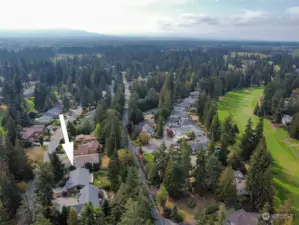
{"points": [[283, 149], [71, 56], [101, 179], [30, 104], [233, 54]]}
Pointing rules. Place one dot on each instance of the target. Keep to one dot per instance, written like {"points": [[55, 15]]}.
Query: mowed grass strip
{"points": [[240, 104]]}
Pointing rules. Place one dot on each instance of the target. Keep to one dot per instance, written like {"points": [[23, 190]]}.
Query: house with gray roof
{"points": [[241, 217], [78, 179]]}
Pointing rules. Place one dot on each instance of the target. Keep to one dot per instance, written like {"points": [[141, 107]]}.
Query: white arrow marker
{"points": [[67, 146]]}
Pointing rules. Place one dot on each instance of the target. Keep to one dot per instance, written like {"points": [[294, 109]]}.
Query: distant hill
{"points": [[51, 33]]}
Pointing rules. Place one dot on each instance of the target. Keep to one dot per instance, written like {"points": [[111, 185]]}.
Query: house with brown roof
{"points": [[33, 132], [80, 161], [241, 217], [87, 148], [82, 138]]}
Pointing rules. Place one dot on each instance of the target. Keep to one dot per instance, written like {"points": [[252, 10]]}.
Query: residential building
{"points": [[286, 119], [82, 138], [28, 92], [241, 217], [33, 132], [44, 120], [78, 179], [82, 160], [148, 129], [87, 148]]}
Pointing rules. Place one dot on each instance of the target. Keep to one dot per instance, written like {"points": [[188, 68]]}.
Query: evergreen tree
{"points": [[213, 169], [210, 115], [162, 196], [63, 216], [174, 179], [71, 129], [259, 130], [113, 173], [228, 137], [41, 220], [259, 178], [98, 132], [226, 190], [87, 215], [294, 130], [221, 215], [159, 129], [185, 157], [247, 144], [73, 217], [215, 129], [200, 172], [66, 103], [44, 188], [58, 167]]}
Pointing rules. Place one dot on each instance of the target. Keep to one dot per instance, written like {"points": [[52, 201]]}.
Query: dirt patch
{"points": [[194, 117], [105, 162], [188, 213], [4, 107], [35, 153], [246, 91]]}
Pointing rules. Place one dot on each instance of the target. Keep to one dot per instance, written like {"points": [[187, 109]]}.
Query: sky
{"points": [[217, 19]]}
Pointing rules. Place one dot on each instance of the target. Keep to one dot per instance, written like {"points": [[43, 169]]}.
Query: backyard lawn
{"points": [[101, 179], [284, 150], [35, 154], [148, 157], [30, 104]]}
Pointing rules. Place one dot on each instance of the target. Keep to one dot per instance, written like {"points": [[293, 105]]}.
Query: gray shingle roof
{"points": [[89, 193], [77, 177], [241, 217]]}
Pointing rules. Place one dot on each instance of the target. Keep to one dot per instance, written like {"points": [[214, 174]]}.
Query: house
{"points": [[44, 120], [28, 92], [241, 217], [87, 194], [82, 160], [87, 148], [33, 132], [78, 179], [54, 112], [286, 119], [82, 138], [148, 129], [240, 183]]}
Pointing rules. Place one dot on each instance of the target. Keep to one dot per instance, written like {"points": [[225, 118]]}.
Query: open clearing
{"points": [[71, 56], [282, 148], [233, 54], [35, 153]]}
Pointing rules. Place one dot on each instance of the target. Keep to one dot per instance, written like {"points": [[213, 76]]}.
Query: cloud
{"points": [[293, 11]]}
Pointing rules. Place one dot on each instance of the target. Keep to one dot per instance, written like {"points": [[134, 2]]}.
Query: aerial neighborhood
{"points": [[100, 130]]}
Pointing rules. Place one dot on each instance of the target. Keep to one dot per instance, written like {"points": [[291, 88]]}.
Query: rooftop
{"points": [[241, 217], [83, 137], [29, 131], [87, 148], [77, 177]]}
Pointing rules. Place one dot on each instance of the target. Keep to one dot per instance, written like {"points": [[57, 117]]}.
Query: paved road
{"points": [[159, 219]]}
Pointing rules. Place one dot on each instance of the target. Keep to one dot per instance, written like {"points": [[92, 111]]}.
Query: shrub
{"points": [[167, 212], [191, 135], [26, 144], [191, 203], [212, 209]]}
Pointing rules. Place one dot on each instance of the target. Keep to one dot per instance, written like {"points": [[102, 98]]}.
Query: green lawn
{"points": [[148, 157], [286, 168], [30, 104], [101, 179]]}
